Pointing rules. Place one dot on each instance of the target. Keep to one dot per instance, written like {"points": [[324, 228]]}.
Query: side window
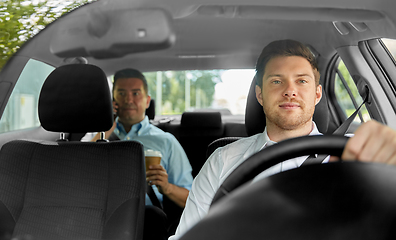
{"points": [[347, 95], [390, 45], [21, 111]]}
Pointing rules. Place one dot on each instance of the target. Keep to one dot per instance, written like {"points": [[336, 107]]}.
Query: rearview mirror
{"points": [[111, 34]]}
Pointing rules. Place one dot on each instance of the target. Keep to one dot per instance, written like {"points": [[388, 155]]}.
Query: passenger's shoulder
{"points": [[162, 136], [165, 136], [155, 129]]}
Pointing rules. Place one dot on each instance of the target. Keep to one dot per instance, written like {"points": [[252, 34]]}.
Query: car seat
{"points": [[150, 111], [73, 190], [197, 130]]}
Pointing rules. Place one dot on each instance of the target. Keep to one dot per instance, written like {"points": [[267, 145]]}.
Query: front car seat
{"points": [[73, 190]]}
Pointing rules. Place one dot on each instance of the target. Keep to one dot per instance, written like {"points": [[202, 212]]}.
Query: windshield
{"points": [[21, 20]]}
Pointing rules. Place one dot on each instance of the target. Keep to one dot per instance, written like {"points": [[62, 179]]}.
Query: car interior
{"points": [[55, 94]]}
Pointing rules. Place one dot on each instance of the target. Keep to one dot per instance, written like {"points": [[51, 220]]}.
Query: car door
{"points": [[354, 72]]}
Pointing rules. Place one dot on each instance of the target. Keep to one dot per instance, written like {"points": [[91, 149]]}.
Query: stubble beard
{"points": [[285, 121], [126, 118]]}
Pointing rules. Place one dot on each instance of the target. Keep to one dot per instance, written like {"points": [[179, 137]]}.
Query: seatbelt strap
{"points": [[153, 197], [314, 159], [341, 130]]}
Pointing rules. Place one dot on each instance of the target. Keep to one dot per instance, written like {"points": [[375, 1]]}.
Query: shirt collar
{"points": [[268, 142], [137, 129]]}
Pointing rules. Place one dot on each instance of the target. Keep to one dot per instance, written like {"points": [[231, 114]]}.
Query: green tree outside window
{"points": [[22, 19]]}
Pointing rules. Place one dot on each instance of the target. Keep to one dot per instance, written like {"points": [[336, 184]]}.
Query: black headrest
{"points": [[201, 124], [150, 111], [201, 120], [76, 98], [255, 117]]}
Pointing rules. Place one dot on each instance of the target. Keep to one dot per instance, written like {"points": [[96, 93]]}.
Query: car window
{"points": [[178, 91], [391, 45], [347, 95], [21, 111]]}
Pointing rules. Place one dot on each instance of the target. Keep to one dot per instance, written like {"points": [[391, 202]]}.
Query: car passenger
{"points": [[130, 100], [288, 89]]}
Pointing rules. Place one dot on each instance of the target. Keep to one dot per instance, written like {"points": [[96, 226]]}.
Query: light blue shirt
{"points": [[174, 159]]}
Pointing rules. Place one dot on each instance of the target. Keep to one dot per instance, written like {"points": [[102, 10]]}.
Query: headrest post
{"points": [[102, 138], [62, 137]]}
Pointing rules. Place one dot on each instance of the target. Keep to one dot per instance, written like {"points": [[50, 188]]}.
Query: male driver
{"points": [[288, 89], [130, 100]]}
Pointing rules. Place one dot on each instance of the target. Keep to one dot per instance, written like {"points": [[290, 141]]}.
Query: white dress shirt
{"points": [[218, 167]]}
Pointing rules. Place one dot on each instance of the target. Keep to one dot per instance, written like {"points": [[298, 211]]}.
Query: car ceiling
{"points": [[224, 34]]}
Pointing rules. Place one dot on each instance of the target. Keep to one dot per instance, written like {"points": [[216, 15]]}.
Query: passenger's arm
{"points": [[178, 170], [372, 142], [177, 194], [158, 176]]}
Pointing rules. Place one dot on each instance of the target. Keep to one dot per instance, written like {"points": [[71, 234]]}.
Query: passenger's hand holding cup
{"points": [[152, 158]]}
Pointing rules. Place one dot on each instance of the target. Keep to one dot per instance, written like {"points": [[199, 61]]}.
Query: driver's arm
{"points": [[372, 142], [201, 194]]}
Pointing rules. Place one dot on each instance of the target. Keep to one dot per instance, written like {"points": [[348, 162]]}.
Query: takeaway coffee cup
{"points": [[152, 157]]}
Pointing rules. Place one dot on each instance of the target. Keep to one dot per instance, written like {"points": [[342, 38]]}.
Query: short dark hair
{"points": [[284, 48], [130, 73]]}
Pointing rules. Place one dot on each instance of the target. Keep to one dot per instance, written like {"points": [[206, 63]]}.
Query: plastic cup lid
{"points": [[152, 153]]}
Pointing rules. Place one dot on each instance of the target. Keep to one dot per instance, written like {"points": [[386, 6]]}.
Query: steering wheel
{"points": [[272, 155], [349, 200]]}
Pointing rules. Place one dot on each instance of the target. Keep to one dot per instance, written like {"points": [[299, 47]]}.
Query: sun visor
{"points": [[112, 34]]}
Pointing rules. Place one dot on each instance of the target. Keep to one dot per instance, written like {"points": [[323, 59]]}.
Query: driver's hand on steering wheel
{"points": [[372, 142]]}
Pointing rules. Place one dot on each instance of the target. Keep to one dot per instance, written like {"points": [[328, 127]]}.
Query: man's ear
{"points": [[318, 94], [148, 102], [259, 95]]}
